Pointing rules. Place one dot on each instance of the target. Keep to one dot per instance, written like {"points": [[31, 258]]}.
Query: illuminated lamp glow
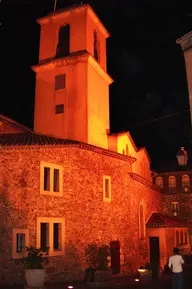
{"points": [[70, 287], [141, 270], [136, 279]]}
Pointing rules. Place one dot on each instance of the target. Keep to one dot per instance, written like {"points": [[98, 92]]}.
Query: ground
{"points": [[127, 282]]}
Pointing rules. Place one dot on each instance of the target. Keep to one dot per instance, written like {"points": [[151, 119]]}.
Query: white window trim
{"points": [[51, 221], [104, 192], [16, 231], [52, 167]]}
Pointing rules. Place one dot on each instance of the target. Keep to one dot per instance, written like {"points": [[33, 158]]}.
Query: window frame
{"points": [[185, 184], [160, 185], [51, 192], [51, 221], [106, 199], [174, 207], [175, 182], [142, 237], [57, 87], [25, 231]]}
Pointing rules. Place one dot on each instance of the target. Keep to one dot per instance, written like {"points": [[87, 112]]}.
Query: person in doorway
{"points": [[175, 263]]}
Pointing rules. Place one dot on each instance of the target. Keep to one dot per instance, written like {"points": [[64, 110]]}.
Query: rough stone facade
{"points": [[185, 205], [180, 194], [87, 217]]}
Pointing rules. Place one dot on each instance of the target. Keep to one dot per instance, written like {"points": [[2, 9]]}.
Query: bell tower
{"points": [[72, 84], [186, 45]]}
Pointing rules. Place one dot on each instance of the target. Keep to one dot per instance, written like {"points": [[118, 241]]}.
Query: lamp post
{"points": [[182, 157]]}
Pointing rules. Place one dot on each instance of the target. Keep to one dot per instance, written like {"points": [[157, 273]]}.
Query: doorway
{"points": [[115, 257], [154, 249]]}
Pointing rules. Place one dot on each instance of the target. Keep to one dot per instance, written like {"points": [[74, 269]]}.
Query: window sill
{"points": [[56, 253], [50, 193]]}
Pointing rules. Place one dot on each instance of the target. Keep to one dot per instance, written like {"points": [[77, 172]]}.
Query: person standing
{"points": [[175, 262]]}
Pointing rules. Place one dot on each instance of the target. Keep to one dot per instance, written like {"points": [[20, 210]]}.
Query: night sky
{"points": [[143, 58]]}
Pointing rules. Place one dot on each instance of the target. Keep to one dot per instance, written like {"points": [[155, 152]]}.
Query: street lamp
{"points": [[182, 157]]}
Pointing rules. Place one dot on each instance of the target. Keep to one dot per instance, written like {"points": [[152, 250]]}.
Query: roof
{"points": [[24, 137], [158, 220], [184, 37], [132, 142], [14, 124]]}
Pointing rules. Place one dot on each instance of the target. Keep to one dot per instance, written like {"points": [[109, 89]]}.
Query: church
{"points": [[70, 181]]}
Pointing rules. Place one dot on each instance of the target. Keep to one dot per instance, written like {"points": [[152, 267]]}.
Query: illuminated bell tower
{"points": [[72, 84], [186, 45]]}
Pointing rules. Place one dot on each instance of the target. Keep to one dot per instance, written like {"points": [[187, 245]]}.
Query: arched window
{"points": [[141, 222], [159, 182], [123, 151], [175, 208], [127, 150], [177, 238], [185, 181], [172, 182]]}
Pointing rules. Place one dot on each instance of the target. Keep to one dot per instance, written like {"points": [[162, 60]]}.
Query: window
{"points": [[63, 46], [51, 233], [20, 241], [60, 81], [141, 223], [186, 238], [107, 188], [185, 181], [127, 150], [51, 179], [181, 237], [175, 209], [172, 182], [96, 46], [123, 151], [177, 238], [159, 182], [59, 108]]}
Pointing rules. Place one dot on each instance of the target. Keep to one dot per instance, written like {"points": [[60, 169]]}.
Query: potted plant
{"points": [[33, 263], [98, 271]]}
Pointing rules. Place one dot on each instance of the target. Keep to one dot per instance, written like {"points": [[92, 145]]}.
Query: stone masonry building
{"points": [[70, 182]]}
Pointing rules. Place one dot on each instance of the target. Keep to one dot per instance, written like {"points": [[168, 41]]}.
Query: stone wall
{"points": [[87, 217], [185, 205]]}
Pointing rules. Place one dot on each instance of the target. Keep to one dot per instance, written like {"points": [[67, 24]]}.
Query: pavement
{"points": [[120, 282]]}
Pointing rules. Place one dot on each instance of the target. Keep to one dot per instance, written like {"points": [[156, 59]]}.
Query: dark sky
{"points": [[143, 58]]}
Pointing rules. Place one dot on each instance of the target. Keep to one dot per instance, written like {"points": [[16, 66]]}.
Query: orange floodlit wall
{"points": [[86, 93], [124, 144]]}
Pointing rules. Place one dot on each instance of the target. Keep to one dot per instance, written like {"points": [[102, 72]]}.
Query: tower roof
{"points": [[184, 37], [61, 13]]}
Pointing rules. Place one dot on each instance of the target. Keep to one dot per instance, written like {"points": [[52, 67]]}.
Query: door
{"points": [[115, 257], [154, 249]]}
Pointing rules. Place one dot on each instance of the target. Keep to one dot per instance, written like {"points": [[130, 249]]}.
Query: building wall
{"points": [[180, 194], [185, 205], [87, 217]]}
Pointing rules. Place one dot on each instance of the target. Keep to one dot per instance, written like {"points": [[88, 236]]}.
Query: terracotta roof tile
{"points": [[158, 220], [28, 139]]}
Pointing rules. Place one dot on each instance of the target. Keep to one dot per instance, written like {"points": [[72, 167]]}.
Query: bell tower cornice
{"points": [[71, 59], [60, 14]]}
